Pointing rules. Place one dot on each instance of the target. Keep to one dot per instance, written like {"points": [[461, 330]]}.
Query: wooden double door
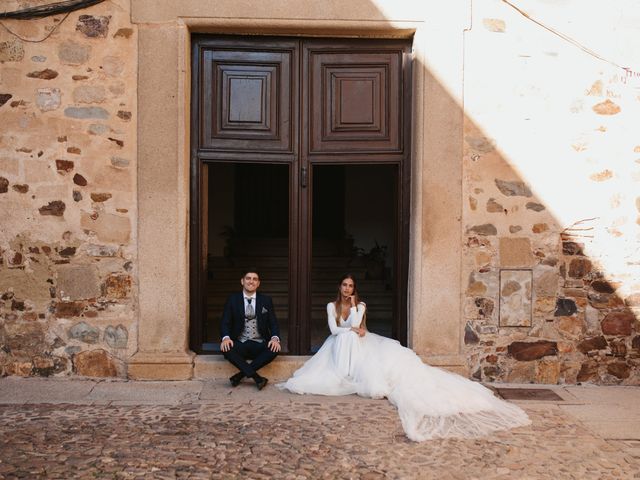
{"points": [[300, 163]]}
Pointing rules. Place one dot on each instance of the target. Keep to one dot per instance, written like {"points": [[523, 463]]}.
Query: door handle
{"points": [[303, 177]]}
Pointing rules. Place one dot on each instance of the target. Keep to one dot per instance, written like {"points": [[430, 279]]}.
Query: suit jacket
{"points": [[232, 322]]}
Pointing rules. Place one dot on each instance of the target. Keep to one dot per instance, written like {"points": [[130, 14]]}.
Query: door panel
{"points": [[250, 95], [355, 98], [300, 166]]}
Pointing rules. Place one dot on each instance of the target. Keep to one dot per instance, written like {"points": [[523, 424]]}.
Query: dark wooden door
{"points": [[303, 103]]}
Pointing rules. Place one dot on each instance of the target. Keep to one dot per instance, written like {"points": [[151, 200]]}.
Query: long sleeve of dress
{"points": [[353, 320]]}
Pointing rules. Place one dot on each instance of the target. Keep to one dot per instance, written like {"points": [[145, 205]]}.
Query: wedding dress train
{"points": [[432, 403]]}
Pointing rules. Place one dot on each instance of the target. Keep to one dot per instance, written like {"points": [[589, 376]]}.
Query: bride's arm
{"points": [[355, 315], [333, 321]]}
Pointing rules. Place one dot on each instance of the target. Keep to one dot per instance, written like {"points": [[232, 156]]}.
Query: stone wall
{"points": [[551, 179], [68, 192]]}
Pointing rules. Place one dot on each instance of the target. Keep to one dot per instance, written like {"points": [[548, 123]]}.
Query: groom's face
{"points": [[250, 282]]}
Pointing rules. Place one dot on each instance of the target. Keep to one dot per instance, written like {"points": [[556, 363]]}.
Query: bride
{"points": [[431, 403]]}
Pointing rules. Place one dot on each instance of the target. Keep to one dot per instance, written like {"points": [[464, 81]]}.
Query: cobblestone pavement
{"points": [[299, 438]]}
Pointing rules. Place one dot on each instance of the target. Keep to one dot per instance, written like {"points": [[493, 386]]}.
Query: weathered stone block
{"points": [[78, 282], [89, 94], [84, 332], [117, 286], [4, 98], [527, 351], [112, 66], [95, 363], [46, 74], [470, 336], [602, 286], [548, 371], [64, 165], [588, 371], [619, 369], [579, 267], [69, 309], [565, 307], [108, 227], [546, 281], [618, 323], [515, 298], [100, 197], [594, 343], [570, 326], [606, 108], [116, 337], [494, 207], [513, 188], [572, 248], [86, 112], [72, 53], [93, 26], [484, 229], [515, 252], [48, 99], [11, 50], [536, 207], [55, 208]]}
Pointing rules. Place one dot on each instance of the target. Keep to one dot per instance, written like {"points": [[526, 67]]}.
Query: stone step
{"points": [[216, 367]]}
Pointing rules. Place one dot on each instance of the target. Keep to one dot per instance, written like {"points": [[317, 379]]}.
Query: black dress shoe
{"points": [[236, 379], [261, 382]]}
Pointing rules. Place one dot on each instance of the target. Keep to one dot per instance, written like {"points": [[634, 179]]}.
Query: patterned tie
{"points": [[249, 311]]}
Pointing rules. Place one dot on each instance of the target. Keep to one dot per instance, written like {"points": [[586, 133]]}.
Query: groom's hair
{"points": [[250, 270]]}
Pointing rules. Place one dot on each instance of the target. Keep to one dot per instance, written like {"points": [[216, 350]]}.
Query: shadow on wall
{"points": [[550, 208]]}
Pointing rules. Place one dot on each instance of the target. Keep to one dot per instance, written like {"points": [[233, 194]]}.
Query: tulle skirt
{"points": [[432, 403]]}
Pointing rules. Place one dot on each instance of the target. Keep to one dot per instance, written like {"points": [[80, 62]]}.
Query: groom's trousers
{"points": [[257, 352]]}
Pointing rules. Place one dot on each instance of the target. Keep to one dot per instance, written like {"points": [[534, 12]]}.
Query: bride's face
{"points": [[346, 288]]}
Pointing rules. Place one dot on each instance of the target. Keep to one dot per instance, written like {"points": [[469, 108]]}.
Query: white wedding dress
{"points": [[431, 403]]}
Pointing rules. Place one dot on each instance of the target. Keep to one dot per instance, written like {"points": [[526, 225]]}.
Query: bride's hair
{"points": [[338, 302]]}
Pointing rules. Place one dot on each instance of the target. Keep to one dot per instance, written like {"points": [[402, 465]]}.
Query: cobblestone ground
{"points": [[300, 440]]}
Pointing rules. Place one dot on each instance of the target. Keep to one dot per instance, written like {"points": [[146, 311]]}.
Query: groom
{"points": [[249, 330]]}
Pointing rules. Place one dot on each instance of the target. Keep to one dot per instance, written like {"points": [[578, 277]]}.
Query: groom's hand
{"points": [[226, 345], [274, 345]]}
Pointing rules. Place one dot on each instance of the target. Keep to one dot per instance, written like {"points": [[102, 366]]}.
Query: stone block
{"points": [[579, 267], [546, 281], [116, 337], [72, 53], [93, 26], [515, 298], [513, 188], [618, 323], [11, 50], [515, 252], [95, 363], [78, 282], [527, 351], [594, 343], [108, 227], [484, 229], [89, 94], [86, 112], [548, 371], [84, 332], [117, 286]]}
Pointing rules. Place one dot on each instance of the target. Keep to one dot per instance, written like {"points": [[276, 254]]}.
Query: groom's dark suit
{"points": [[232, 325]]}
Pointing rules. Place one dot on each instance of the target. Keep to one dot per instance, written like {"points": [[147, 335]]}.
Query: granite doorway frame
{"points": [[164, 89]]}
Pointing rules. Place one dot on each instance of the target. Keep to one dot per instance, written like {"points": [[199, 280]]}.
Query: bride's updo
{"points": [[338, 302]]}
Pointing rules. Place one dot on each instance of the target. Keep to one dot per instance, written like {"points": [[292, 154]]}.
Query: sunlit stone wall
{"points": [[551, 265], [67, 192]]}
